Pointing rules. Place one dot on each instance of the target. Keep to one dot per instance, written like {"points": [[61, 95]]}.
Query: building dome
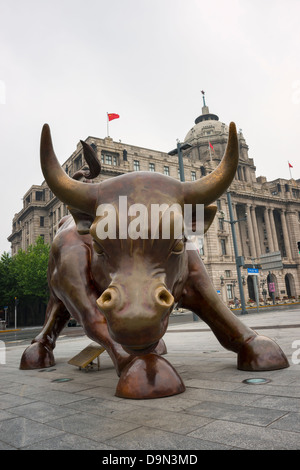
{"points": [[207, 127]]}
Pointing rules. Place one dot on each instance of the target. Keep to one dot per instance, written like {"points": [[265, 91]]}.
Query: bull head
{"points": [[137, 282]]}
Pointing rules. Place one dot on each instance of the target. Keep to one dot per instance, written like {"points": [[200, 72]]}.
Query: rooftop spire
{"points": [[206, 115]]}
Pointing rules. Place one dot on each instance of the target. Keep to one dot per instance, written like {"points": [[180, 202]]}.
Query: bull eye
{"points": [[178, 247], [98, 248]]}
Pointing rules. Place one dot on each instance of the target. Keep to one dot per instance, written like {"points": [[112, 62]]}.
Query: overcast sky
{"points": [[69, 62]]}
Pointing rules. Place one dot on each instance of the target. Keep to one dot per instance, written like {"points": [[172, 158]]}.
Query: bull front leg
{"points": [[40, 353], [254, 352]]}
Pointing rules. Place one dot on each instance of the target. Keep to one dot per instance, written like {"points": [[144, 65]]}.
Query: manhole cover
{"points": [[256, 381], [61, 380]]}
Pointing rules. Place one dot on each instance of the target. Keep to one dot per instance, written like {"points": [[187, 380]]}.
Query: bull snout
{"points": [[136, 318]]}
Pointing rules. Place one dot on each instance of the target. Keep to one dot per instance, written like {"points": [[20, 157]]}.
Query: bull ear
{"points": [[209, 215], [83, 221]]}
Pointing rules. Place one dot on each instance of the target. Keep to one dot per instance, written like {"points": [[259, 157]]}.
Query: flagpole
{"points": [[209, 150], [107, 125], [290, 169]]}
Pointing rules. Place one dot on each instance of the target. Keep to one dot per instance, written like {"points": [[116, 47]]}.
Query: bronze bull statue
{"points": [[122, 289]]}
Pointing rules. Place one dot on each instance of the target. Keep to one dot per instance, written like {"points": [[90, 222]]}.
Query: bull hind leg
{"points": [[39, 354], [254, 352]]}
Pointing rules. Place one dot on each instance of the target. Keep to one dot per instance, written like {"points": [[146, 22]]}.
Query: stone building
{"points": [[266, 213]]}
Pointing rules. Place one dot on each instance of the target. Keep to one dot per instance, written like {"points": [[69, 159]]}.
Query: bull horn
{"points": [[211, 187], [74, 193]]}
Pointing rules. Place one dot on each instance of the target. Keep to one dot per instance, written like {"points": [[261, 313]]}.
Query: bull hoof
{"points": [[149, 376], [261, 353], [37, 356]]}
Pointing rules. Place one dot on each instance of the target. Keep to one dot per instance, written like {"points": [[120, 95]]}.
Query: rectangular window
{"points": [[136, 165], [151, 167], [219, 204], [223, 246], [227, 273], [110, 158], [39, 195], [193, 175], [166, 171], [42, 221], [229, 291], [221, 224], [78, 162]]}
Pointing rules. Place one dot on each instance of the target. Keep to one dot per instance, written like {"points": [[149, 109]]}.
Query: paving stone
{"points": [[103, 407], [272, 389], [68, 442], [211, 384], [222, 396], [5, 446], [279, 403], [5, 414], [241, 414], [150, 439], [99, 428], [20, 432], [58, 397], [180, 423], [289, 422], [42, 412], [9, 401], [246, 436], [25, 390]]}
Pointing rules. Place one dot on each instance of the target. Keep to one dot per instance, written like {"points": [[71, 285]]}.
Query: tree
{"points": [[30, 271], [7, 280], [24, 276]]}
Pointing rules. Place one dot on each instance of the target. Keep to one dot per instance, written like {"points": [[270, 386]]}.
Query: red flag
{"points": [[290, 166], [112, 116], [211, 146]]}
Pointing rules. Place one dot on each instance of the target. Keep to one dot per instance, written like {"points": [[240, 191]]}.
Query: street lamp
{"points": [[239, 260], [178, 151]]}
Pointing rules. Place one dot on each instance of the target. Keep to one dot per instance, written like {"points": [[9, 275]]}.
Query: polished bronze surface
{"points": [[149, 376], [122, 289]]}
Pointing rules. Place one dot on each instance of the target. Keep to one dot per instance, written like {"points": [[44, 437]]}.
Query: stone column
{"points": [[285, 235], [273, 228], [250, 232], [268, 228], [255, 231]]}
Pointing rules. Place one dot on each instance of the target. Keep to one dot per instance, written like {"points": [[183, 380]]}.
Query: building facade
{"points": [[266, 214]]}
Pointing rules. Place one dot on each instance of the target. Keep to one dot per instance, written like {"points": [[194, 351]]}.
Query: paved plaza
{"points": [[218, 411]]}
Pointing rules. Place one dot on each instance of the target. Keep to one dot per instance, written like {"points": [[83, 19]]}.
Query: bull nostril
{"points": [[164, 298], [108, 299]]}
